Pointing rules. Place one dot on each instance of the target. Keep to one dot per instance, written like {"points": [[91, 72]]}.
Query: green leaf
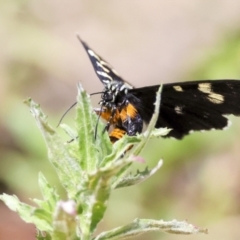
{"points": [[43, 235], [95, 192], [28, 213], [43, 215], [140, 226], [92, 150], [120, 149], [50, 196], [66, 165], [139, 177], [159, 132], [70, 132]]}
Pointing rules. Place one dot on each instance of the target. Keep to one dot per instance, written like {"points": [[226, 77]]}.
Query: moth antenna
{"points": [[96, 93], [66, 113], [73, 106]]}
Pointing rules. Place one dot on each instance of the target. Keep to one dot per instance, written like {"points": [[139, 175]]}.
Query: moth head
{"points": [[108, 96]]}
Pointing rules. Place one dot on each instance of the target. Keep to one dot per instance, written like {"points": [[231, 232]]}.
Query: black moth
{"points": [[185, 106]]}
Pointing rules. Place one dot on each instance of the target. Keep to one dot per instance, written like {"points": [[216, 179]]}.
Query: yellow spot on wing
{"points": [[205, 87], [216, 98], [178, 88], [212, 97]]}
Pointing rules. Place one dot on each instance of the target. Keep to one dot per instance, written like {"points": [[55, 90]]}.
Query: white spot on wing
{"points": [[104, 74], [105, 63], [93, 54], [102, 62], [104, 68], [105, 81]]}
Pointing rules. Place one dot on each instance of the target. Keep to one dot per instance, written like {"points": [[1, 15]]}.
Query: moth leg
{"points": [[107, 115]]}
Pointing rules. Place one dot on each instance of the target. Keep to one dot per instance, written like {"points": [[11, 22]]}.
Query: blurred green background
{"points": [[148, 42]]}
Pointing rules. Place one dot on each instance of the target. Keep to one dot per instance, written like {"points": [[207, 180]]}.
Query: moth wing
{"points": [[189, 106]]}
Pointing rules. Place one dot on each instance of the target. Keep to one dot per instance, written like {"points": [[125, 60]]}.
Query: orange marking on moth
{"points": [[117, 133], [123, 114], [106, 115], [128, 111], [119, 117], [131, 111]]}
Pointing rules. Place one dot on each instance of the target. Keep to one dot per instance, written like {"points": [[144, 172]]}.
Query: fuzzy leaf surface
{"points": [[66, 165], [140, 226], [28, 213]]}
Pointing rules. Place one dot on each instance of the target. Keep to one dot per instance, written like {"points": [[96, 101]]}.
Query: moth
{"points": [[185, 106]]}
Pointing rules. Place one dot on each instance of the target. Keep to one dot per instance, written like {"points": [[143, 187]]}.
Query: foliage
{"points": [[89, 169]]}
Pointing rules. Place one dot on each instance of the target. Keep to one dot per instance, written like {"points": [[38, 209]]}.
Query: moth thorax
{"points": [[112, 90]]}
